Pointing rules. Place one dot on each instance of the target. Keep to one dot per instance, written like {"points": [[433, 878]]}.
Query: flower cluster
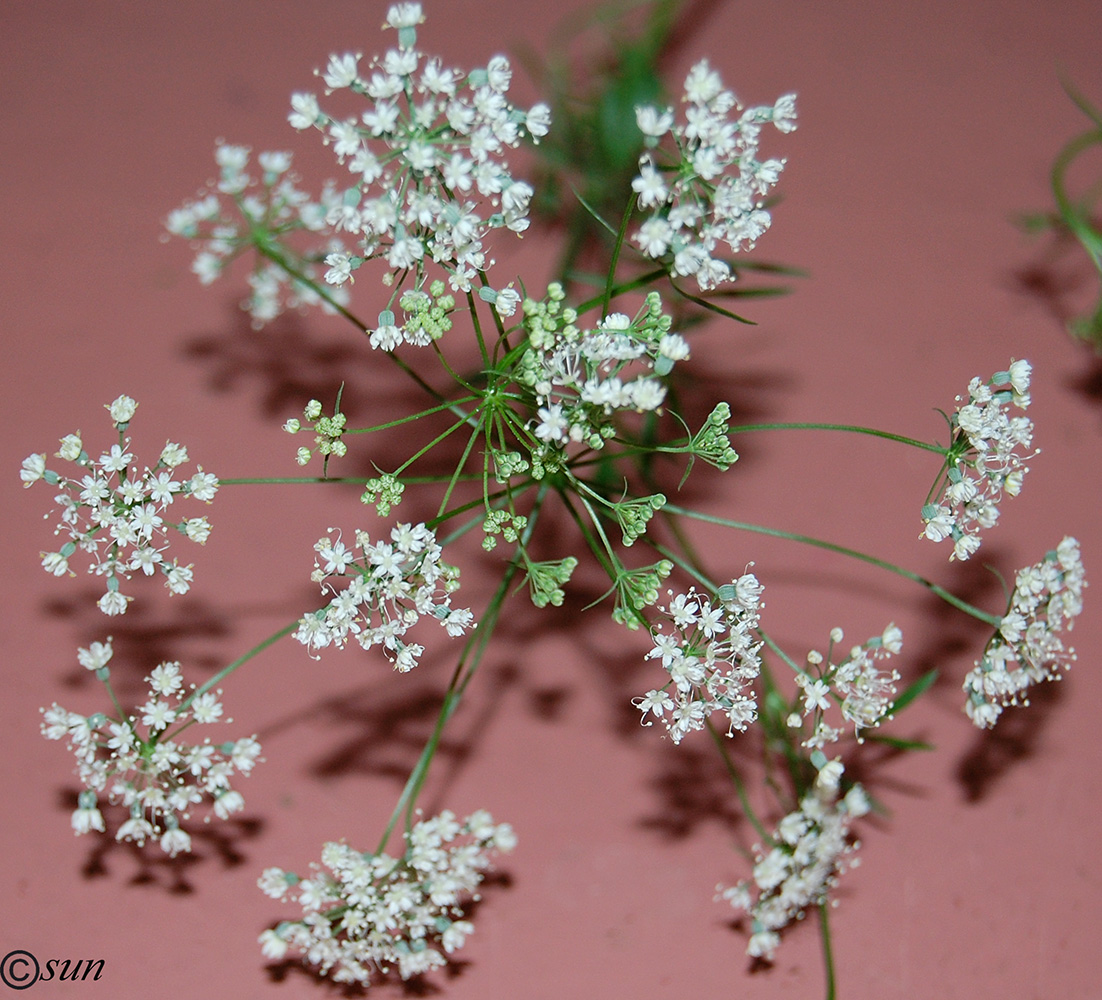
{"points": [[328, 432], [708, 190], [367, 912], [238, 212], [429, 175], [711, 656], [809, 850], [986, 458], [117, 515], [863, 691], [428, 318], [391, 586], [1026, 648], [142, 764], [582, 377]]}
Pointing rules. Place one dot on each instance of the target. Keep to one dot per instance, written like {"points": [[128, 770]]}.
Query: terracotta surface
{"points": [[924, 129]]}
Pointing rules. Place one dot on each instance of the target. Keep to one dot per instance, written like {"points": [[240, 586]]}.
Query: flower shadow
{"points": [[222, 842]]}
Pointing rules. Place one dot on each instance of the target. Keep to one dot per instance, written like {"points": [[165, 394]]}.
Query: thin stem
{"points": [[628, 286], [266, 249], [115, 701], [851, 428], [736, 780], [615, 259], [226, 671], [828, 950], [432, 444], [476, 645], [459, 468], [478, 330], [941, 592], [285, 480], [450, 405]]}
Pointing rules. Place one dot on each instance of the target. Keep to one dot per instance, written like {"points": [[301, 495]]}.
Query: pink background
{"points": [[924, 129]]}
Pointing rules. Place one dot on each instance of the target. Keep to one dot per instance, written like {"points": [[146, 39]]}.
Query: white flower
{"points": [[342, 71], [813, 849], [86, 819], [652, 122], [304, 111], [363, 913], [1026, 647], [272, 946], [404, 15], [712, 661], [706, 188], [122, 410], [34, 469], [986, 459]]}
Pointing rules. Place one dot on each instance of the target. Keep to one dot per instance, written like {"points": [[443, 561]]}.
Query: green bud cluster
{"points": [[637, 589], [508, 464], [428, 314], [546, 462], [633, 515], [546, 580], [384, 492], [504, 523], [712, 443], [328, 431], [548, 323]]}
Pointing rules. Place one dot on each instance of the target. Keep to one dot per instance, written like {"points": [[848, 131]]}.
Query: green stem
{"points": [[459, 468], [226, 671], [432, 444], [610, 282], [851, 428], [476, 645], [941, 592], [736, 780], [628, 286], [415, 416], [123, 720], [284, 480], [828, 950], [267, 250], [478, 330]]}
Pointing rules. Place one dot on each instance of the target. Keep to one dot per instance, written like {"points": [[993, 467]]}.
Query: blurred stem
{"points": [[828, 949]]}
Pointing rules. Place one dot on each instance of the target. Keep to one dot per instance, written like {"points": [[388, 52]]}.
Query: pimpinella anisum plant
{"points": [[568, 410]]}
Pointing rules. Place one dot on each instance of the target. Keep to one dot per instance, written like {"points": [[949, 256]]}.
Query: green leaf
{"points": [[895, 743], [919, 687], [711, 306]]}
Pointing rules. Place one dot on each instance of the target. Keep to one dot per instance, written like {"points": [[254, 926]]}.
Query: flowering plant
{"points": [[572, 405]]}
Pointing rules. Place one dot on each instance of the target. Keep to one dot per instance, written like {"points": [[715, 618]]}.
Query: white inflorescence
{"points": [[809, 850], [708, 189], [426, 157], [223, 223], [118, 514], [391, 586], [1026, 648], [140, 762], [711, 656], [862, 690], [986, 459], [370, 912]]}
